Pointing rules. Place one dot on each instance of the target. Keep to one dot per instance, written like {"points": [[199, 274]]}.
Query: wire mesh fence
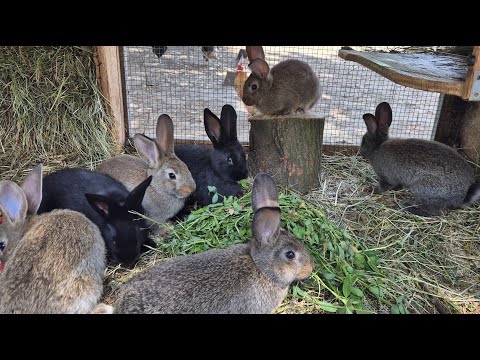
{"points": [[183, 80]]}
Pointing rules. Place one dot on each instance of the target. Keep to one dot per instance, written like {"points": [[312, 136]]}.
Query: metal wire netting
{"points": [[182, 80]]}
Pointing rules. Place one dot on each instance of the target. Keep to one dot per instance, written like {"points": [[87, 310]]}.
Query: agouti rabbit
{"points": [[243, 278], [289, 87], [57, 260], [172, 182], [436, 174]]}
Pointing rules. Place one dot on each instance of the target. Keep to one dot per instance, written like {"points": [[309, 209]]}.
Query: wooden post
{"points": [[109, 71], [289, 148]]}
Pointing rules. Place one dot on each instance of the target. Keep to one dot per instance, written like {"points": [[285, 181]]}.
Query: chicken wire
{"points": [[186, 79]]}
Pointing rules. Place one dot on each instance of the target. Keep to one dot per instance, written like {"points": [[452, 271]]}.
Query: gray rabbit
{"points": [[55, 261], [289, 87], [435, 174], [243, 278], [172, 181]]}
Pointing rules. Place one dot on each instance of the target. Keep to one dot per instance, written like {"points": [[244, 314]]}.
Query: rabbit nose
{"points": [[184, 191], [306, 270]]}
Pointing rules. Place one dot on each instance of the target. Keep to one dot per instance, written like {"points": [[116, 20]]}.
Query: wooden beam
{"points": [[444, 74], [472, 69], [109, 71]]}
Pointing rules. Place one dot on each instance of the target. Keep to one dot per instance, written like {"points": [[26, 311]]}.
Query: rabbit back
{"points": [[434, 172], [56, 268], [201, 283]]}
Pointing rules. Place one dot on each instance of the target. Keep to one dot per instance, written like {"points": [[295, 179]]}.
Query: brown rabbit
{"points": [[172, 182], [57, 264], [289, 87], [243, 278]]}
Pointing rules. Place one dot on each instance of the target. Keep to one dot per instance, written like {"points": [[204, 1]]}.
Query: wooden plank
{"points": [[109, 71], [444, 74], [467, 89]]}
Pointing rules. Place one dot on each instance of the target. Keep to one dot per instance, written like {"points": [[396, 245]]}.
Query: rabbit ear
{"points": [[32, 187], [371, 123], [213, 127], [383, 113], [229, 122], [264, 192], [135, 198], [164, 134], [100, 204], [260, 68], [266, 224], [255, 52], [13, 204], [147, 149]]}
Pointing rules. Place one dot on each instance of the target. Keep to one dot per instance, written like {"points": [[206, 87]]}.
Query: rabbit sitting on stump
{"points": [[243, 278], [435, 174], [289, 87]]}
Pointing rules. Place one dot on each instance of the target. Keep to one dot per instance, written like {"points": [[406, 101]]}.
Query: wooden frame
{"points": [[110, 73], [446, 74]]}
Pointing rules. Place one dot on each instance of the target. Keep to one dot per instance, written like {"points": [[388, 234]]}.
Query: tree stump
{"points": [[287, 147]]}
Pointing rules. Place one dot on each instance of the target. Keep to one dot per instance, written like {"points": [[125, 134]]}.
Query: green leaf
{"points": [[212, 189], [328, 276], [327, 306], [214, 198], [347, 286], [376, 291], [357, 292], [395, 309]]}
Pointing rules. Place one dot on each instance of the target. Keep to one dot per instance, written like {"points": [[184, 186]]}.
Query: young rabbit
{"points": [[107, 203], [172, 182], [221, 166], [57, 259], [436, 174], [17, 204], [289, 87], [243, 278]]}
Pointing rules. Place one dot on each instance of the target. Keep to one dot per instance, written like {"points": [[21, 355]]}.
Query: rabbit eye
{"points": [[230, 161], [172, 176], [290, 255], [2, 246], [254, 87]]}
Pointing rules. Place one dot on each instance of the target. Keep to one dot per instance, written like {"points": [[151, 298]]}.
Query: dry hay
{"points": [[51, 110]]}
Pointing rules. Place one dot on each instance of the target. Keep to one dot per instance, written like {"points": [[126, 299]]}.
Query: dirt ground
{"points": [[182, 83]]}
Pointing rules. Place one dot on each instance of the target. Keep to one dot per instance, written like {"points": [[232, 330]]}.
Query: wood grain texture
{"points": [[444, 74], [288, 148], [109, 71]]}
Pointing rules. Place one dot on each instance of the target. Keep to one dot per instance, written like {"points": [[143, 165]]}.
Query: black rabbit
{"points": [[224, 165], [106, 202]]}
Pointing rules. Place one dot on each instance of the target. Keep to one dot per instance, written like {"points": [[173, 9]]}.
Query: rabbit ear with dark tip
{"points": [[213, 127], [266, 224], [32, 188], [164, 133], [147, 149], [383, 113], [264, 192], [255, 52], [135, 197], [13, 204], [371, 123], [260, 68], [228, 120]]}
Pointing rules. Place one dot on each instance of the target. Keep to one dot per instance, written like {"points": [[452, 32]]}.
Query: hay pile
{"points": [[370, 256], [51, 110]]}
